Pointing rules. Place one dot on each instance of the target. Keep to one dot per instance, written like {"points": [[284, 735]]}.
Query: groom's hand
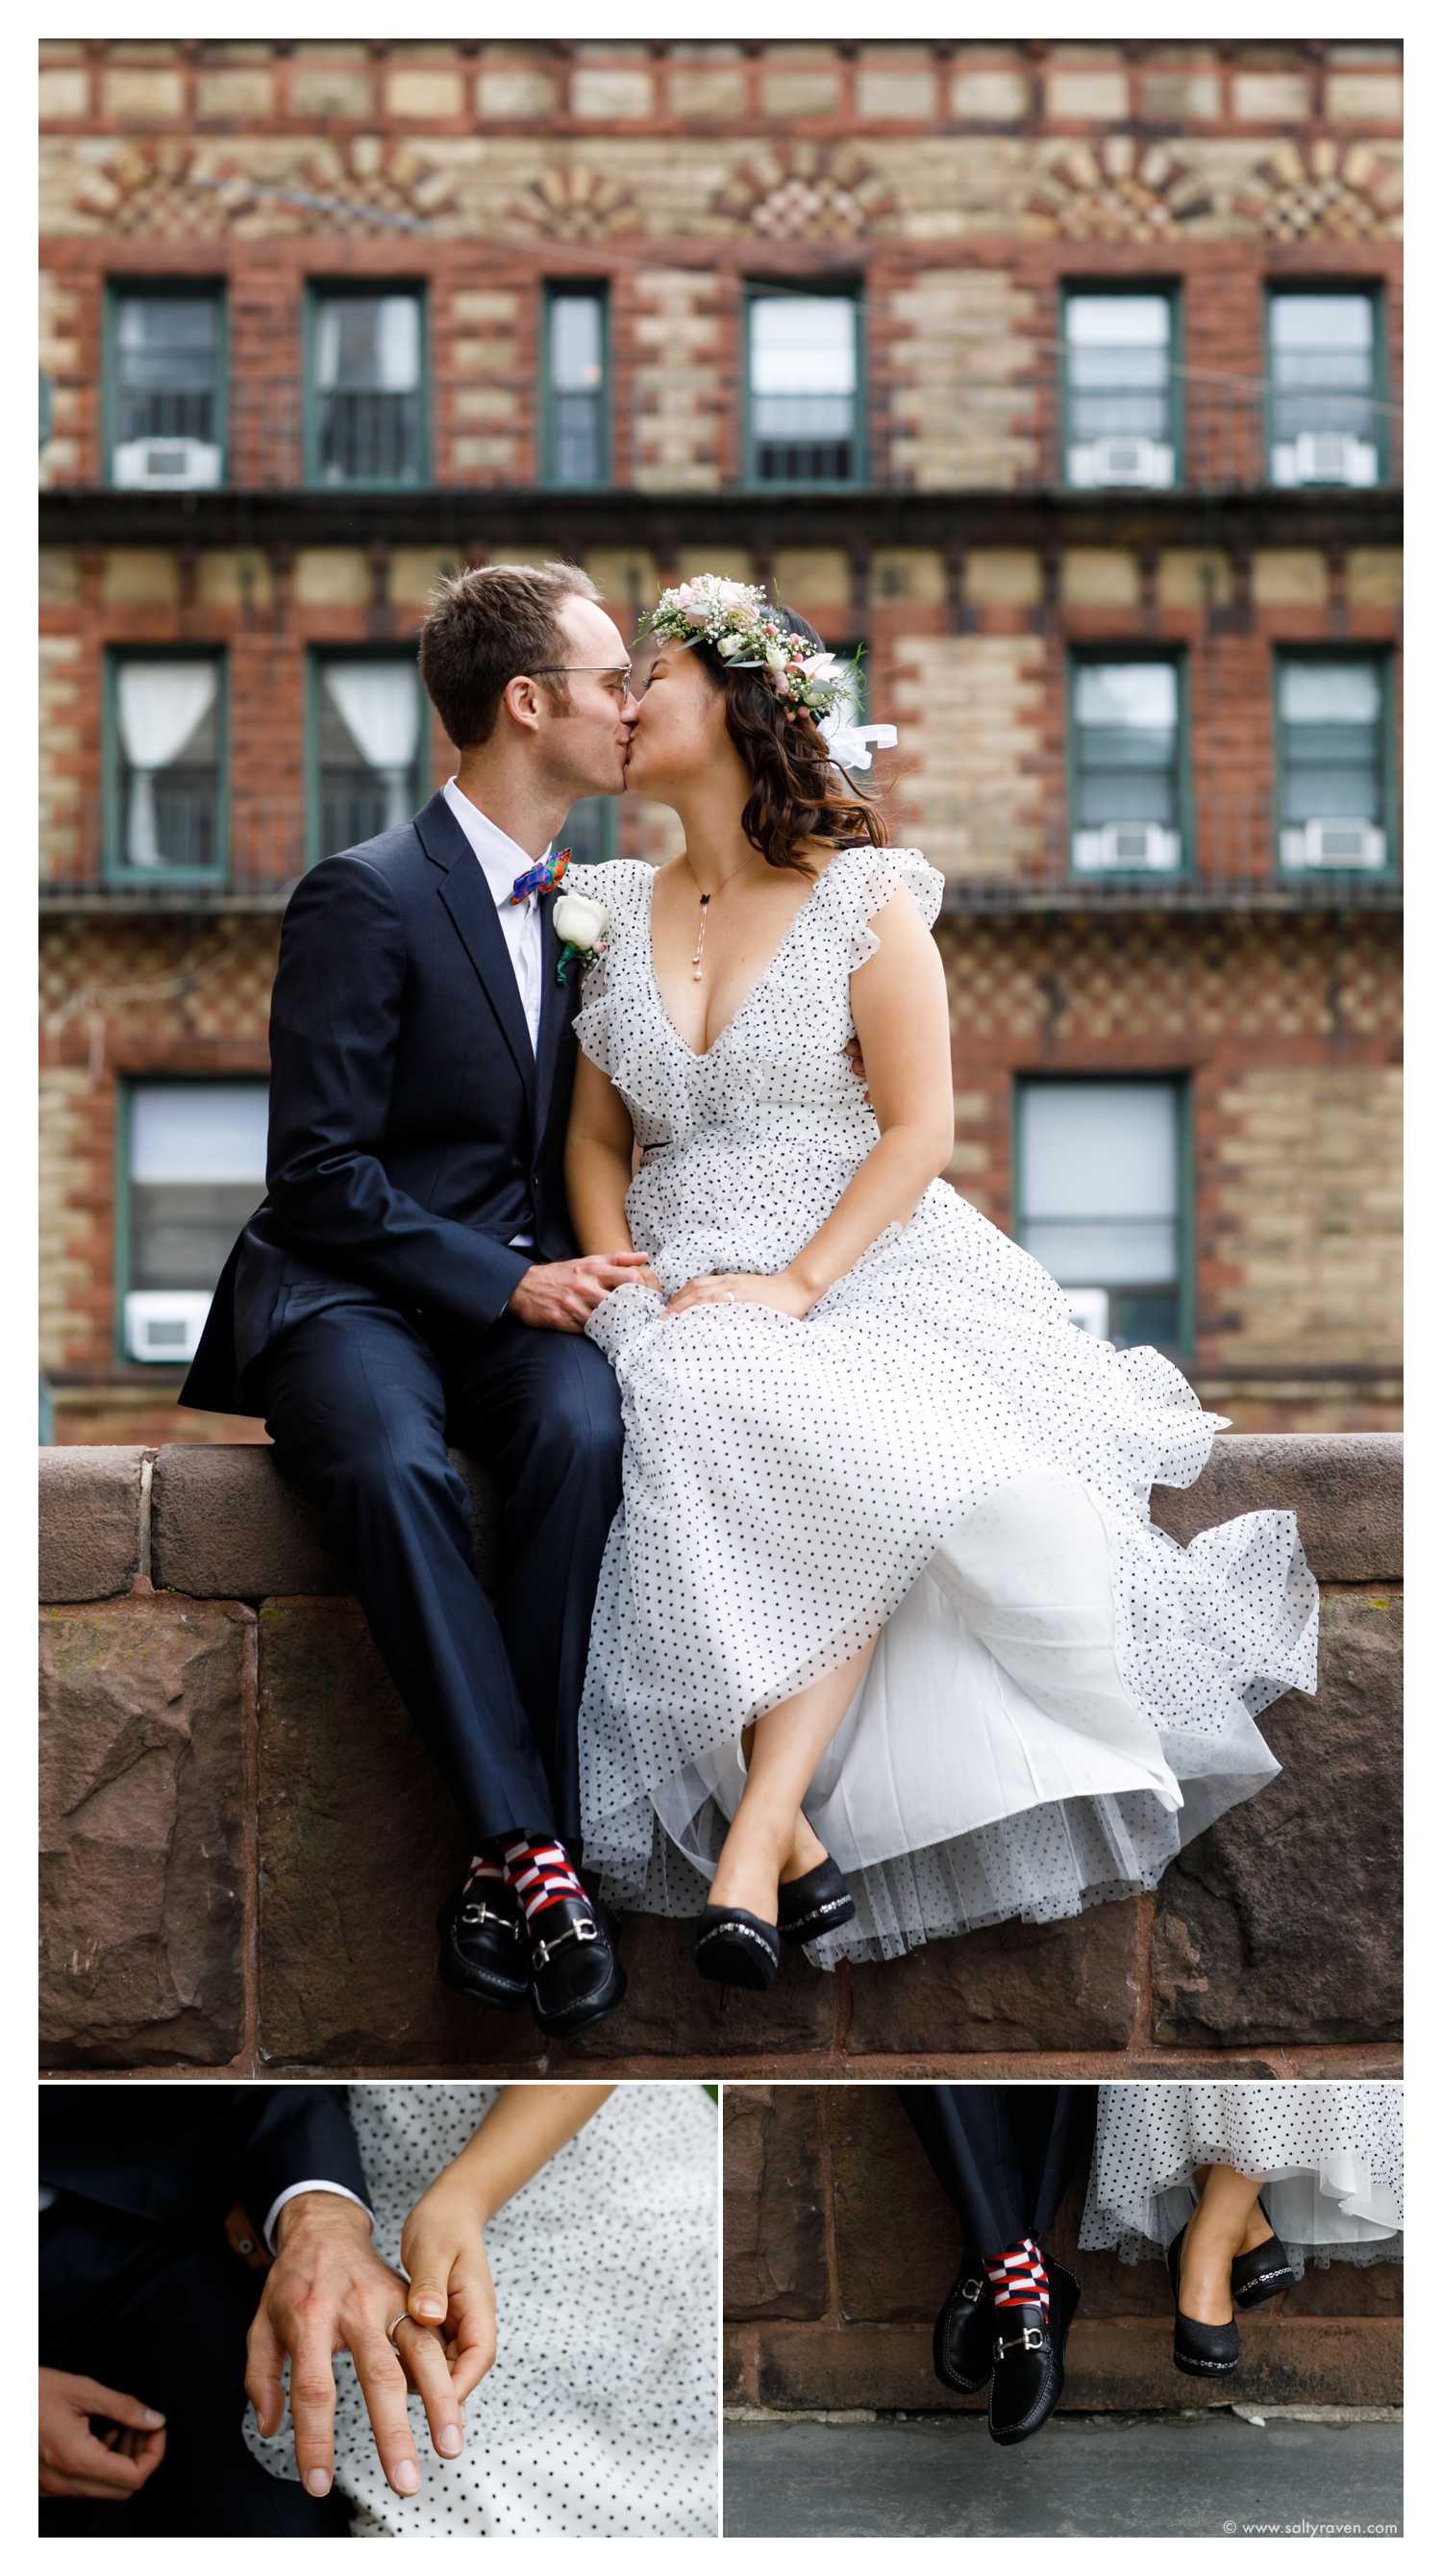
{"points": [[561, 1295], [75, 2460], [329, 2291]]}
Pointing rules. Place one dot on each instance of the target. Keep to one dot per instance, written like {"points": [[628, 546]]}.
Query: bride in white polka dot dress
{"points": [[598, 2419], [928, 1484]]}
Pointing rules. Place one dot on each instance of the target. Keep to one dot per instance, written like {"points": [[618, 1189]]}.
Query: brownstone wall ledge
{"points": [[243, 1845], [840, 2246]]}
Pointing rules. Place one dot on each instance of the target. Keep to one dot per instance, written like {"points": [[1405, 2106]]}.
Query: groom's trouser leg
{"points": [[355, 1403], [544, 1411], [163, 2317]]}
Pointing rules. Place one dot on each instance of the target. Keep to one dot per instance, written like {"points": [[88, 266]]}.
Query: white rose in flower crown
{"points": [[580, 922], [730, 645]]}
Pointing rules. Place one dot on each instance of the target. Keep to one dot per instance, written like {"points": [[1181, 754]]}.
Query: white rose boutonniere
{"points": [[582, 925]]}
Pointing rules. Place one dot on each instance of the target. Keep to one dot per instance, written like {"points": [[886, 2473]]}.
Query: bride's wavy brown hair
{"points": [[796, 794]]}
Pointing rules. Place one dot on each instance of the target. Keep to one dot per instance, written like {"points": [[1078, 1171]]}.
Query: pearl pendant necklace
{"points": [[700, 942]]}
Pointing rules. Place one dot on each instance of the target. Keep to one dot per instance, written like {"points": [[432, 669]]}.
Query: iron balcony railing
{"points": [[1002, 848]]}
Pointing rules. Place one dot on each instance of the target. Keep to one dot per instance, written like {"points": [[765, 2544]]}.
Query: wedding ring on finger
{"points": [[404, 2318]]}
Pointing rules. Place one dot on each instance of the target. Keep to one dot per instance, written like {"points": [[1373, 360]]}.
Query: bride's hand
{"points": [[443, 2251], [743, 1288]]}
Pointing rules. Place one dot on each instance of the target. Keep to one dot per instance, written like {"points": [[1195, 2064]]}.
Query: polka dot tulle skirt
{"points": [[1327, 2156], [935, 1460], [598, 2418]]}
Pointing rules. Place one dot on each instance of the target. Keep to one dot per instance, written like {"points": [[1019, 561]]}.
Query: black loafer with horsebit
{"points": [[965, 2329], [483, 1945], [1028, 2356], [576, 1975]]}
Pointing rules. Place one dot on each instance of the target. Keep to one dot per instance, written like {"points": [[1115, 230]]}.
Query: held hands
{"points": [[561, 1295], [451, 2290], [328, 2291], [780, 1290], [108, 2466]]}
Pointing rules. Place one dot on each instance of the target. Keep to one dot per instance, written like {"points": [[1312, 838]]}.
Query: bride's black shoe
{"points": [[734, 1948], [818, 1903], [1263, 2273], [483, 1945], [1028, 2357], [961, 2339], [1207, 2352]]}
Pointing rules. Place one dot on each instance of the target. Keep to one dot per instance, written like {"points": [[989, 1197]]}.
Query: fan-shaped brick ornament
{"points": [[1297, 192], [572, 202], [1118, 191], [805, 192]]}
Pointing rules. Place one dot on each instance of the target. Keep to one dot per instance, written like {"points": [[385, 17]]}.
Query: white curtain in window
{"points": [[159, 706], [371, 346], [379, 705]]}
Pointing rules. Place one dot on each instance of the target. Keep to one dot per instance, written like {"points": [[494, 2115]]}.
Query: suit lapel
{"points": [[471, 905]]}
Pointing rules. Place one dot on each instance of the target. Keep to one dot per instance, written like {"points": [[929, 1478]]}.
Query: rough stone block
{"points": [[141, 1833], [1280, 1926], [902, 2270], [63, 93], [670, 2012], [1011, 1986], [89, 1522], [698, 91], [424, 94], [235, 94], [611, 94], [332, 577], [772, 2226], [359, 1843], [143, 97], [1345, 1491], [226, 1523], [140, 577], [1087, 94], [1267, 98], [330, 91], [994, 97], [1289, 577]]}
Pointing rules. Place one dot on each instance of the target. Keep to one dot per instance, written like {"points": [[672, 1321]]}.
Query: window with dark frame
{"points": [[369, 743], [1120, 406], [367, 385], [1326, 418], [165, 393], [1128, 811], [1332, 762], [165, 764], [575, 388], [192, 1171], [805, 406], [1100, 1166]]}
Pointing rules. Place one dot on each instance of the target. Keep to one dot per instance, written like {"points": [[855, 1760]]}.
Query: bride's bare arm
{"points": [[898, 1001], [442, 2247], [598, 1161]]}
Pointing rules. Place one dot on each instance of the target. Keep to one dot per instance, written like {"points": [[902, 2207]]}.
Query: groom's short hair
{"points": [[483, 626]]}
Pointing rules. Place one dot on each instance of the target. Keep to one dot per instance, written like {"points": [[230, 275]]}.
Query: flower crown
{"points": [[739, 622]]}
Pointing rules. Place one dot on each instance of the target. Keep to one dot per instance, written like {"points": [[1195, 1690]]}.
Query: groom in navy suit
{"points": [[412, 1278]]}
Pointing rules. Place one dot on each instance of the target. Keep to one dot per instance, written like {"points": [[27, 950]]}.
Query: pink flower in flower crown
{"points": [[781, 685]]}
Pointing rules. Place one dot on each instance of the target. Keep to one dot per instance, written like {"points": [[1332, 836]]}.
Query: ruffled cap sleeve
{"points": [[864, 880]]}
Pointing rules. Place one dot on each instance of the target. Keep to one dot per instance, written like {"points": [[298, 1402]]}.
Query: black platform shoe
{"points": [[1206, 2352], [819, 1902], [734, 1948], [966, 2325], [1028, 2354], [1263, 2273], [483, 1945], [576, 1975]]}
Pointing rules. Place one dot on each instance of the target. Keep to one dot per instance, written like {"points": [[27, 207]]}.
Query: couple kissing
{"points": [[829, 1609]]}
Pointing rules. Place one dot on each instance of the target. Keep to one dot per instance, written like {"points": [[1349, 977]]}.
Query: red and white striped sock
{"points": [[1018, 2276], [539, 1873], [483, 1870]]}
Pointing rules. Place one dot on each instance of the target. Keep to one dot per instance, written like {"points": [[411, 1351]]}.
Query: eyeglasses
{"points": [[620, 671]]}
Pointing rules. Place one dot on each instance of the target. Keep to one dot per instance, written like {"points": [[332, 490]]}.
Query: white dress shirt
{"points": [[502, 861], [49, 2197]]}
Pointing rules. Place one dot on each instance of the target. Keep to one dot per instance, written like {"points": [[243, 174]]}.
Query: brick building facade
{"points": [[1065, 377]]}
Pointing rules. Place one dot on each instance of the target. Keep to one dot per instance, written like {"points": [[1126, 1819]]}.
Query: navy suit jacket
{"points": [[178, 2155], [413, 1129]]}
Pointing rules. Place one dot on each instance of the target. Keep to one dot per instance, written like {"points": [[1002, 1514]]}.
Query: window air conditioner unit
{"points": [[164, 1323], [1325, 456], [1090, 1310], [1138, 462], [167, 464], [1127, 845], [1341, 841]]}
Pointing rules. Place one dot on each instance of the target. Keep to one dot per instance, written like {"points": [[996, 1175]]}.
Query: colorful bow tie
{"points": [[543, 878]]}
